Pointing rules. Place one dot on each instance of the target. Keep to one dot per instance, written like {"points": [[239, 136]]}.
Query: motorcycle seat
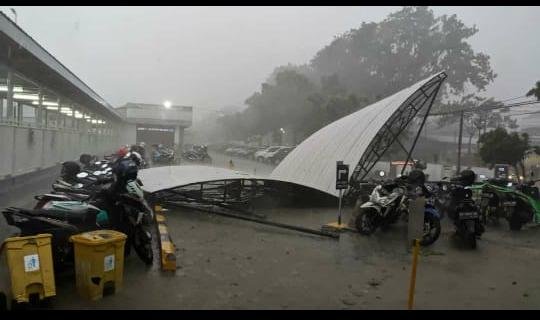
{"points": [[76, 216], [73, 196]]}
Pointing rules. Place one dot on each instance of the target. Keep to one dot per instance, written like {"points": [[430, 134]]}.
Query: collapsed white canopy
{"points": [[313, 162], [161, 178]]}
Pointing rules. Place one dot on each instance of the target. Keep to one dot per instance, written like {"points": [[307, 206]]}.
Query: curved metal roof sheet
{"points": [[313, 162], [168, 177]]}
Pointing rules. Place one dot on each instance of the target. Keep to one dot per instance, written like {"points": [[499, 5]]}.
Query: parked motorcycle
{"points": [[163, 155], [461, 207], [197, 154], [120, 206], [390, 201], [500, 199]]}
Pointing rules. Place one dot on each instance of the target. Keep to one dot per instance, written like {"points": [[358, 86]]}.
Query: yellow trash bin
{"points": [[30, 266], [99, 262]]}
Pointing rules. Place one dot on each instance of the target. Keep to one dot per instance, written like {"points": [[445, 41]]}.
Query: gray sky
{"points": [[216, 56]]}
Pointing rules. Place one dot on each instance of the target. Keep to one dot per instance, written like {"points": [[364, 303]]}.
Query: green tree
{"points": [[535, 91], [499, 146], [409, 45], [284, 103]]}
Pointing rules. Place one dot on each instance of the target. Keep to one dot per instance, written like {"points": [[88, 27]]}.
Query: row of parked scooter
{"points": [[468, 203], [192, 153], [270, 155], [90, 195]]}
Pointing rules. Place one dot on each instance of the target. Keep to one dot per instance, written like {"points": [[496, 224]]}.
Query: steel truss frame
{"points": [[230, 194], [394, 126]]}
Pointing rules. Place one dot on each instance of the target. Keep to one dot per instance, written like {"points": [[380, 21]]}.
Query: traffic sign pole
{"points": [[339, 212]]}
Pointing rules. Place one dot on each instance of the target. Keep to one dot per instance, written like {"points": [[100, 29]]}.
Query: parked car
{"points": [[232, 151], [262, 154], [279, 155], [243, 152], [252, 151], [271, 153]]}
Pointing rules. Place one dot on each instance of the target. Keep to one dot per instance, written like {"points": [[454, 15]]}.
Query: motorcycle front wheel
{"points": [[471, 240], [366, 221], [432, 230], [142, 243]]}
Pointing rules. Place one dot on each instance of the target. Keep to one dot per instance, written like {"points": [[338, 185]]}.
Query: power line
{"points": [[478, 109], [524, 113]]}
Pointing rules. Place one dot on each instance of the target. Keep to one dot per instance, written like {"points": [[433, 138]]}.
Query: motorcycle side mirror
{"points": [[82, 175]]}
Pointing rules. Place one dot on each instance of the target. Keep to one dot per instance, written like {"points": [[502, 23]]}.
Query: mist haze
{"points": [[210, 57]]}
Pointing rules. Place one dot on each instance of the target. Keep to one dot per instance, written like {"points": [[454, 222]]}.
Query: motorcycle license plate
{"points": [[468, 215]]}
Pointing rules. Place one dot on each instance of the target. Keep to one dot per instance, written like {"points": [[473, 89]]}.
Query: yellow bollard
{"points": [[413, 273]]}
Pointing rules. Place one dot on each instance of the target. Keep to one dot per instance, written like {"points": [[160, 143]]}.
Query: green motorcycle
{"points": [[500, 199]]}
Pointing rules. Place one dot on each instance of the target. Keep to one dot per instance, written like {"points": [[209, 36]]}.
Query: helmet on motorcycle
{"points": [[136, 157], [70, 169], [467, 177], [126, 169], [85, 159], [420, 165], [122, 152], [416, 177]]}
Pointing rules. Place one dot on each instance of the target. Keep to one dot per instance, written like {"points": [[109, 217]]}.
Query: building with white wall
{"points": [[154, 123], [47, 114]]}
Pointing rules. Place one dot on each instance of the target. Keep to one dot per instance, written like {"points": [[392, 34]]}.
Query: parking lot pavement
{"points": [[230, 264], [226, 263], [250, 166]]}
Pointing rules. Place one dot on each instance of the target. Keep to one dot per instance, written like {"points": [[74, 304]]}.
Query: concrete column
{"points": [[57, 117], [39, 113], [10, 110], [179, 136]]}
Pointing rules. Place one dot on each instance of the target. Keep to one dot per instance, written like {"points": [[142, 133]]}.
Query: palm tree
{"points": [[535, 91]]}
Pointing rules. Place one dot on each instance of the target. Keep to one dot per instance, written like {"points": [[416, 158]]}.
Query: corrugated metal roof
{"points": [[168, 177], [313, 162]]}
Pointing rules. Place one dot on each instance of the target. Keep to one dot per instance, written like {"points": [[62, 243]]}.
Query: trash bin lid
{"points": [[37, 236], [98, 237]]}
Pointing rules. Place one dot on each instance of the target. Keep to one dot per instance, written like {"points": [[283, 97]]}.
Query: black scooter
{"points": [[462, 209], [62, 215]]}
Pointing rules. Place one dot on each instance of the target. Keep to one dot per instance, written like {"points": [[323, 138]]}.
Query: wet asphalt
{"points": [[225, 263]]}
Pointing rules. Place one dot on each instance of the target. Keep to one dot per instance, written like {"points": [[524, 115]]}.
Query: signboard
{"points": [[342, 176], [108, 263], [501, 171], [31, 263]]}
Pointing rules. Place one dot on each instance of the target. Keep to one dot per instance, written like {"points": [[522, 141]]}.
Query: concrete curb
{"points": [[168, 249]]}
